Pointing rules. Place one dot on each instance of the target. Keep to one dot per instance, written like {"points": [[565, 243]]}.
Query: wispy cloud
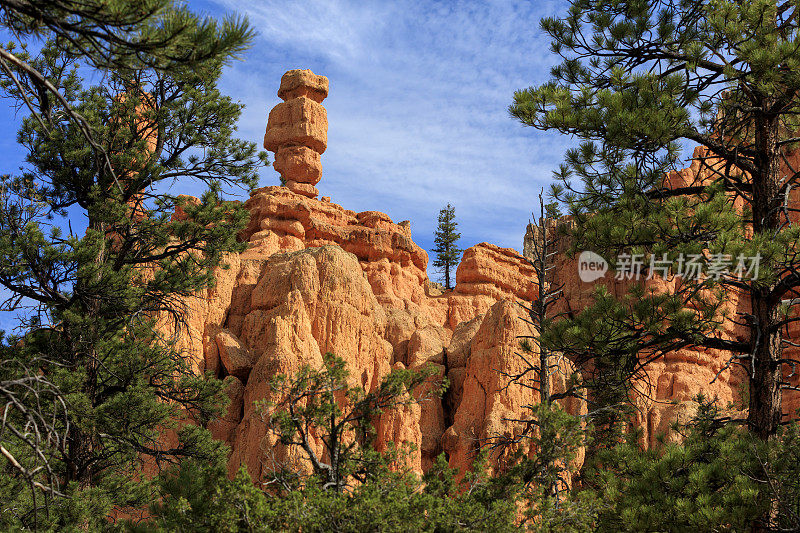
{"points": [[336, 30], [417, 106]]}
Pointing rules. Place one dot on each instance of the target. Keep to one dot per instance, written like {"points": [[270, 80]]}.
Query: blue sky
{"points": [[417, 109], [418, 102]]}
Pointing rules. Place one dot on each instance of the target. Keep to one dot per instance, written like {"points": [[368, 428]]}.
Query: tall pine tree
{"points": [[446, 237], [92, 387], [639, 78]]}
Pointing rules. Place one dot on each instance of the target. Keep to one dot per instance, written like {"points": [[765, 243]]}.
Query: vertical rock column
{"points": [[297, 130]]}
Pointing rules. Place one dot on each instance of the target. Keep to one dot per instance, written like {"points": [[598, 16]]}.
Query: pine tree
{"points": [[319, 406], [711, 481], [544, 426], [351, 486], [445, 237], [91, 384], [638, 79], [195, 496]]}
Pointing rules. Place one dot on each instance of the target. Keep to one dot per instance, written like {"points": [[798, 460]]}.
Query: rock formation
{"points": [[318, 277], [674, 380], [297, 130]]}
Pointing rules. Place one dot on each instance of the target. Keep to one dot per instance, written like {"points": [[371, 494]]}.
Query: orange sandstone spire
{"points": [[297, 130]]}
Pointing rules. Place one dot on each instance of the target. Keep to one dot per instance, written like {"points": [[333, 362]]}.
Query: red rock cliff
{"points": [[318, 277]]}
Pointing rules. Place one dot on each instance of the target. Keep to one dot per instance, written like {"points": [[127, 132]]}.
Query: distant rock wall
{"points": [[674, 380]]}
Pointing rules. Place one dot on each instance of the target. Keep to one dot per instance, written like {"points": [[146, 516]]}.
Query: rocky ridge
{"points": [[317, 277]]}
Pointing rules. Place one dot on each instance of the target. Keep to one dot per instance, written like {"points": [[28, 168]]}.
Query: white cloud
{"points": [[337, 30], [417, 106]]}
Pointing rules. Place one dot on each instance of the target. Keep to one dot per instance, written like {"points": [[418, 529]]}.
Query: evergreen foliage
{"points": [[202, 498], [352, 487], [720, 478], [445, 237], [638, 78], [319, 405], [91, 385], [548, 477]]}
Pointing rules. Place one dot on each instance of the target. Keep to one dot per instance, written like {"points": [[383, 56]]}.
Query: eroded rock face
{"points": [[486, 274], [317, 277], [488, 410], [305, 304]]}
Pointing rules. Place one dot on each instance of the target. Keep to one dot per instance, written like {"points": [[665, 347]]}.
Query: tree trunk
{"points": [[541, 309], [81, 446], [765, 396]]}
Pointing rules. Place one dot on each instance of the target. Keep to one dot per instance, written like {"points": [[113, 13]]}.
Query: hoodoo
{"points": [[297, 130], [317, 277]]}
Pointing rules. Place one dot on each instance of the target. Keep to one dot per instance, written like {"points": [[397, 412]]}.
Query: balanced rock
{"points": [[297, 131], [236, 358], [297, 83]]}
